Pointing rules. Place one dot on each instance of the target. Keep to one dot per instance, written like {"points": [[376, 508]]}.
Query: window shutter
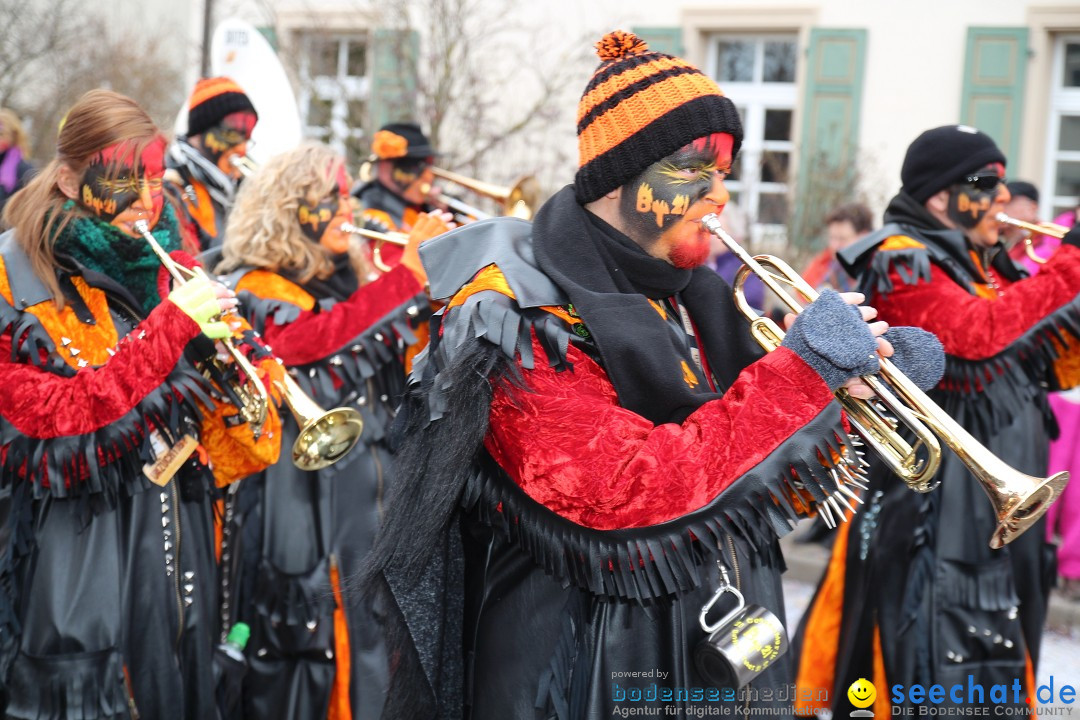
{"points": [[830, 127], [993, 94], [394, 56], [666, 40]]}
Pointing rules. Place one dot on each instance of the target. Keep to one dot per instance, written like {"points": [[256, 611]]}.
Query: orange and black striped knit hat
{"points": [[213, 99], [639, 107]]}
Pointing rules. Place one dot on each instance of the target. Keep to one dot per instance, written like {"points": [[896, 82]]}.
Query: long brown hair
{"points": [[13, 126], [99, 119], [263, 229]]}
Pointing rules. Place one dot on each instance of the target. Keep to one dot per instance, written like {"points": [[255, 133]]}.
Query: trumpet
{"points": [[325, 436], [1046, 228], [394, 238], [1019, 500]]}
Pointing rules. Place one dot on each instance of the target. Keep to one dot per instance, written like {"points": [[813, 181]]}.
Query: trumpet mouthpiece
{"points": [[348, 227], [1002, 217], [141, 227]]}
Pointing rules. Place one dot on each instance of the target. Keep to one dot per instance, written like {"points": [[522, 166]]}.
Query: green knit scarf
{"points": [[129, 261]]}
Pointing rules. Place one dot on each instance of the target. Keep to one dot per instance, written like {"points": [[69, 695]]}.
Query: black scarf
{"points": [[905, 210], [609, 280], [340, 285]]}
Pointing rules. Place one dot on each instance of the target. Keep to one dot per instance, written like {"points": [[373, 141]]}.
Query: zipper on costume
{"points": [[176, 565], [738, 586]]}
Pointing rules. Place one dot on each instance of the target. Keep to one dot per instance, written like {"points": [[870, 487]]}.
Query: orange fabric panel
{"points": [[817, 664], [234, 453], [1067, 364], [490, 278], [340, 709], [900, 242], [202, 210], [423, 337], [646, 106], [271, 286], [1029, 683], [88, 342], [882, 707], [5, 286]]}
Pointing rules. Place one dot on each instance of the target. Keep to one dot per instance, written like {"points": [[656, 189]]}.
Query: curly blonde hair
{"points": [[263, 230]]}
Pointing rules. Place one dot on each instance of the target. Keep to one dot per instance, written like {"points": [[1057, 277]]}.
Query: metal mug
{"points": [[742, 644]]}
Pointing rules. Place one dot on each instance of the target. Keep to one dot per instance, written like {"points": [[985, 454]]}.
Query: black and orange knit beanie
{"points": [[639, 107], [213, 99]]}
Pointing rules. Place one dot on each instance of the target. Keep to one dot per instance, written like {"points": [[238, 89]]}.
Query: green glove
{"points": [[197, 299]]}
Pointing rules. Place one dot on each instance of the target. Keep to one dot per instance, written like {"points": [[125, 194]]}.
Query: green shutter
{"points": [[994, 70], [667, 40], [270, 33], [829, 139], [394, 56]]}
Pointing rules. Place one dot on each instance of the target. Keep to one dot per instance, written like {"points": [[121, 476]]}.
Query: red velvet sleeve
{"points": [[571, 447], [976, 328], [314, 335], [42, 405]]}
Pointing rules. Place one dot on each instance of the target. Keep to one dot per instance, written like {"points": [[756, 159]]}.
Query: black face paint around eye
{"points": [[661, 195], [108, 194], [315, 219], [968, 205]]}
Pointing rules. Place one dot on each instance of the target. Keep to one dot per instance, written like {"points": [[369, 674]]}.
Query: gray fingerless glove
{"points": [[918, 354], [832, 338]]}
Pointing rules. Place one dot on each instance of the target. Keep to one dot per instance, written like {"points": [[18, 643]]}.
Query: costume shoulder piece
{"points": [[908, 252], [105, 461], [331, 379], [494, 292]]}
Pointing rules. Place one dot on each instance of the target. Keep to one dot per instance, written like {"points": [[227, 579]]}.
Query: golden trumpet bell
{"points": [[325, 436]]}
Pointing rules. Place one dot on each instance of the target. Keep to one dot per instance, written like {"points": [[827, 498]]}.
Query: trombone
{"points": [[1019, 499], [325, 436], [1045, 228], [520, 200]]}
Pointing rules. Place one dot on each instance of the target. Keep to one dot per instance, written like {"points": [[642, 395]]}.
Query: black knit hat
{"points": [[639, 107], [213, 99], [401, 140], [943, 156], [1022, 188]]}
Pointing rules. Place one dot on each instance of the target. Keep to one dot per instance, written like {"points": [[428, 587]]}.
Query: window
{"points": [[334, 91], [1061, 185], [758, 72]]}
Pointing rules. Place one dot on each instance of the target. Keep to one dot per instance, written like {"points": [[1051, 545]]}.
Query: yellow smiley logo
{"points": [[862, 693]]}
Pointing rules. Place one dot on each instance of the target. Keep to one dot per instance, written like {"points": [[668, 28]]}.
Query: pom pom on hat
{"points": [[619, 44]]}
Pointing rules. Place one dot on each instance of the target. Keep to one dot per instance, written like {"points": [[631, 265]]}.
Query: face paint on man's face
{"points": [[968, 205], [114, 180], [659, 198], [406, 172], [233, 130]]}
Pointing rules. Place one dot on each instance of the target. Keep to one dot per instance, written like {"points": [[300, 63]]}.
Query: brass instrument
{"points": [[1019, 500], [325, 436], [244, 164], [519, 200], [1046, 228], [394, 238], [252, 395]]}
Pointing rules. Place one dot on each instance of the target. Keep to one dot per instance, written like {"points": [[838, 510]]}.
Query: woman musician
{"points": [[111, 440], [296, 536]]}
